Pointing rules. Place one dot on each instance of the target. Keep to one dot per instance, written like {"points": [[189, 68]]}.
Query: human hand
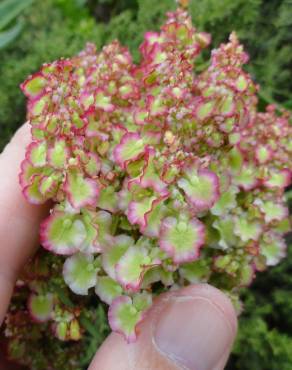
{"points": [[191, 328]]}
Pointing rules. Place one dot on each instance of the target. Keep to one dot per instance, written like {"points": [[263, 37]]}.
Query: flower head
{"points": [[157, 173]]}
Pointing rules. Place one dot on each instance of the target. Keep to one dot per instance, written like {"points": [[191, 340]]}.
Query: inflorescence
{"points": [[160, 176]]}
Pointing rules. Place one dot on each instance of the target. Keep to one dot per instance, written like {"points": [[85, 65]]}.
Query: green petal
{"points": [[131, 266], [247, 230], [114, 252], [80, 273], [196, 272], [41, 306], [107, 289], [63, 233], [226, 202], [182, 239], [123, 317], [81, 191]]}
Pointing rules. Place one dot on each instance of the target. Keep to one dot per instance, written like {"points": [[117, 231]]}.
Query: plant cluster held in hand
{"points": [[160, 175]]}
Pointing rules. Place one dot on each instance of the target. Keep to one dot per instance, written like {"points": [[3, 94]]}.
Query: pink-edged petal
{"points": [[247, 229], [36, 153], [138, 210], [225, 227], [41, 306], [80, 273], [124, 317], [153, 219], [263, 154], [279, 179], [113, 253], [201, 188], [108, 199], [235, 159], [182, 239], [129, 149], [27, 172], [141, 116], [87, 100], [38, 105], [62, 233], [34, 85], [92, 164], [124, 196], [103, 220], [107, 289], [150, 177], [228, 106], [91, 244], [241, 83], [272, 211], [247, 178], [81, 191], [58, 154], [156, 106], [131, 267], [152, 37], [226, 202], [48, 186], [142, 301], [273, 247], [32, 191], [103, 102], [129, 90], [205, 109], [197, 271]]}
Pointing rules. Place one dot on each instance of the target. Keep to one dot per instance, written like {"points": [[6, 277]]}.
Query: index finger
{"points": [[19, 220]]}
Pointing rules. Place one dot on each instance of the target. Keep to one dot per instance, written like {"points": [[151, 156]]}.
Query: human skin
{"points": [[192, 328]]}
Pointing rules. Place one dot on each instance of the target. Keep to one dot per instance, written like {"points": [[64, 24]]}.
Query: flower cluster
{"points": [[158, 174]]}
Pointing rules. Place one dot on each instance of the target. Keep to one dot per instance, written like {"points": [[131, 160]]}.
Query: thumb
{"points": [[192, 328]]}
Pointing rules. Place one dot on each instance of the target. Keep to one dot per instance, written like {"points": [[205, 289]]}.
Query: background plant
{"points": [[10, 25]]}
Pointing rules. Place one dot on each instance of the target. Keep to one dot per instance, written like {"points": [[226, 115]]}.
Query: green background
{"points": [[60, 28]]}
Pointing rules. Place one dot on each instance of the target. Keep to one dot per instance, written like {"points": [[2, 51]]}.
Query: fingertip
{"points": [[19, 220], [191, 328], [16, 215], [217, 297], [11, 195]]}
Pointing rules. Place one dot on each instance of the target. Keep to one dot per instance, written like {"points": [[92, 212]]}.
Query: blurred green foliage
{"points": [[10, 26], [60, 28]]}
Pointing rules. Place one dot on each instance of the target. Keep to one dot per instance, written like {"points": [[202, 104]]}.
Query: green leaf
{"points": [[182, 238], [196, 272], [246, 229], [10, 9], [123, 317], [142, 301], [225, 226], [41, 306], [107, 289], [114, 252], [80, 273], [226, 202], [131, 266], [6, 37]]}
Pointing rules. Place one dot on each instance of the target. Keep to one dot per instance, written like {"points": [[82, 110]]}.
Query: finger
{"points": [[192, 328], [19, 221]]}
